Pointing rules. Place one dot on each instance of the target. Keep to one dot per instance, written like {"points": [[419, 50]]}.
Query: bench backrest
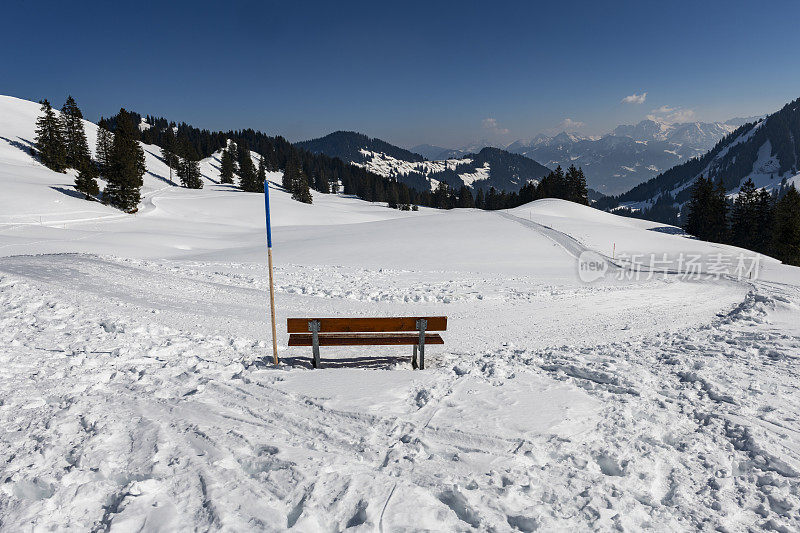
{"points": [[366, 325]]}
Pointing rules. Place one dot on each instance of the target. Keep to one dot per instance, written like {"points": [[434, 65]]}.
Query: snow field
{"points": [[137, 390]]}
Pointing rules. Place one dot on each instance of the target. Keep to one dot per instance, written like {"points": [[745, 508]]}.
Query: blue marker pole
{"points": [[271, 286]]}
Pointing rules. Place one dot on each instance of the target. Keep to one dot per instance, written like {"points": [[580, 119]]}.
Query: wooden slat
{"points": [[372, 325], [363, 339]]}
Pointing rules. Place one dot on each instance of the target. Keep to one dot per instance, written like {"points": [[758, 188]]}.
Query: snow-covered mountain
{"points": [[629, 155], [488, 167], [765, 150]]}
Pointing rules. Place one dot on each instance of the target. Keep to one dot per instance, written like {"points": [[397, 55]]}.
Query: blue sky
{"points": [[408, 72]]}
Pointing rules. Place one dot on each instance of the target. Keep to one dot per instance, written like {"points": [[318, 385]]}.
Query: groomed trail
{"points": [[142, 395], [137, 391]]}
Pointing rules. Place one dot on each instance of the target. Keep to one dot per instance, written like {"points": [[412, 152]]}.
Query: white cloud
{"points": [[492, 125], [671, 115], [635, 98], [570, 125]]}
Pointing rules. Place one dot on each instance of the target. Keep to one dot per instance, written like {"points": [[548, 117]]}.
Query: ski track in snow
{"points": [[133, 424]]}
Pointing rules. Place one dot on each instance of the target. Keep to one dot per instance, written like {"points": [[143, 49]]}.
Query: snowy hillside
{"points": [[137, 390]]}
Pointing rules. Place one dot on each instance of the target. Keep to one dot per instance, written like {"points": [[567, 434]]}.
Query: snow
{"points": [[137, 390], [388, 166], [482, 173]]}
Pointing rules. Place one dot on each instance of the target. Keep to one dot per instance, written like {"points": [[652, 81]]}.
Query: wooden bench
{"points": [[316, 332]]}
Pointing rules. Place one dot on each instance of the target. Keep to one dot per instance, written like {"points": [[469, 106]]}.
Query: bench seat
{"points": [[364, 339], [367, 331]]}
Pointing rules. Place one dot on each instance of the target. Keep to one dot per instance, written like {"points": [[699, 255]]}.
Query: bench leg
{"points": [[414, 359], [313, 327], [422, 325]]}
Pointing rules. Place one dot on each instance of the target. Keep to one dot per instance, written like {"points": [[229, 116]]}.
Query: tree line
{"points": [[119, 161], [305, 171], [756, 219]]}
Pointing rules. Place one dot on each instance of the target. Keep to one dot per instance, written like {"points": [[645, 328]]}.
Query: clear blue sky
{"points": [[413, 72]]}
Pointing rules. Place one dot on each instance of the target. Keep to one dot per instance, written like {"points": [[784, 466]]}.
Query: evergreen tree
{"points": [[76, 147], [465, 197], [301, 192], [227, 165], [491, 199], [247, 170], [441, 196], [697, 214], [378, 192], [744, 217], [126, 166], [49, 141], [718, 214], [575, 183], [261, 175], [233, 149], [404, 198], [786, 235], [291, 174], [188, 165], [765, 221], [169, 148], [86, 181], [393, 198], [105, 139], [321, 183], [480, 202]]}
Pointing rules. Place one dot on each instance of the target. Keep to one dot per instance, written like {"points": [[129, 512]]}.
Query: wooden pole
{"points": [[271, 284]]}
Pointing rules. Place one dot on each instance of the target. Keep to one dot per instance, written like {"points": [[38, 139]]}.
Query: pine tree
{"points": [[233, 149], [49, 141], [786, 235], [441, 196], [227, 166], [393, 198], [465, 198], [126, 166], [718, 214], [105, 140], [765, 218], [321, 183], [744, 217], [301, 191], [261, 175], [575, 183], [247, 171], [291, 174], [86, 181], [169, 150], [697, 214], [76, 147], [480, 202], [491, 199], [188, 166]]}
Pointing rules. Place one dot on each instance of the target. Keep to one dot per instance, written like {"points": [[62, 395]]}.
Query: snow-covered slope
{"points": [[137, 390]]}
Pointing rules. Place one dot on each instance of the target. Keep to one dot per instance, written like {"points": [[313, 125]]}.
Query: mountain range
{"points": [[488, 167], [619, 160], [765, 150]]}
